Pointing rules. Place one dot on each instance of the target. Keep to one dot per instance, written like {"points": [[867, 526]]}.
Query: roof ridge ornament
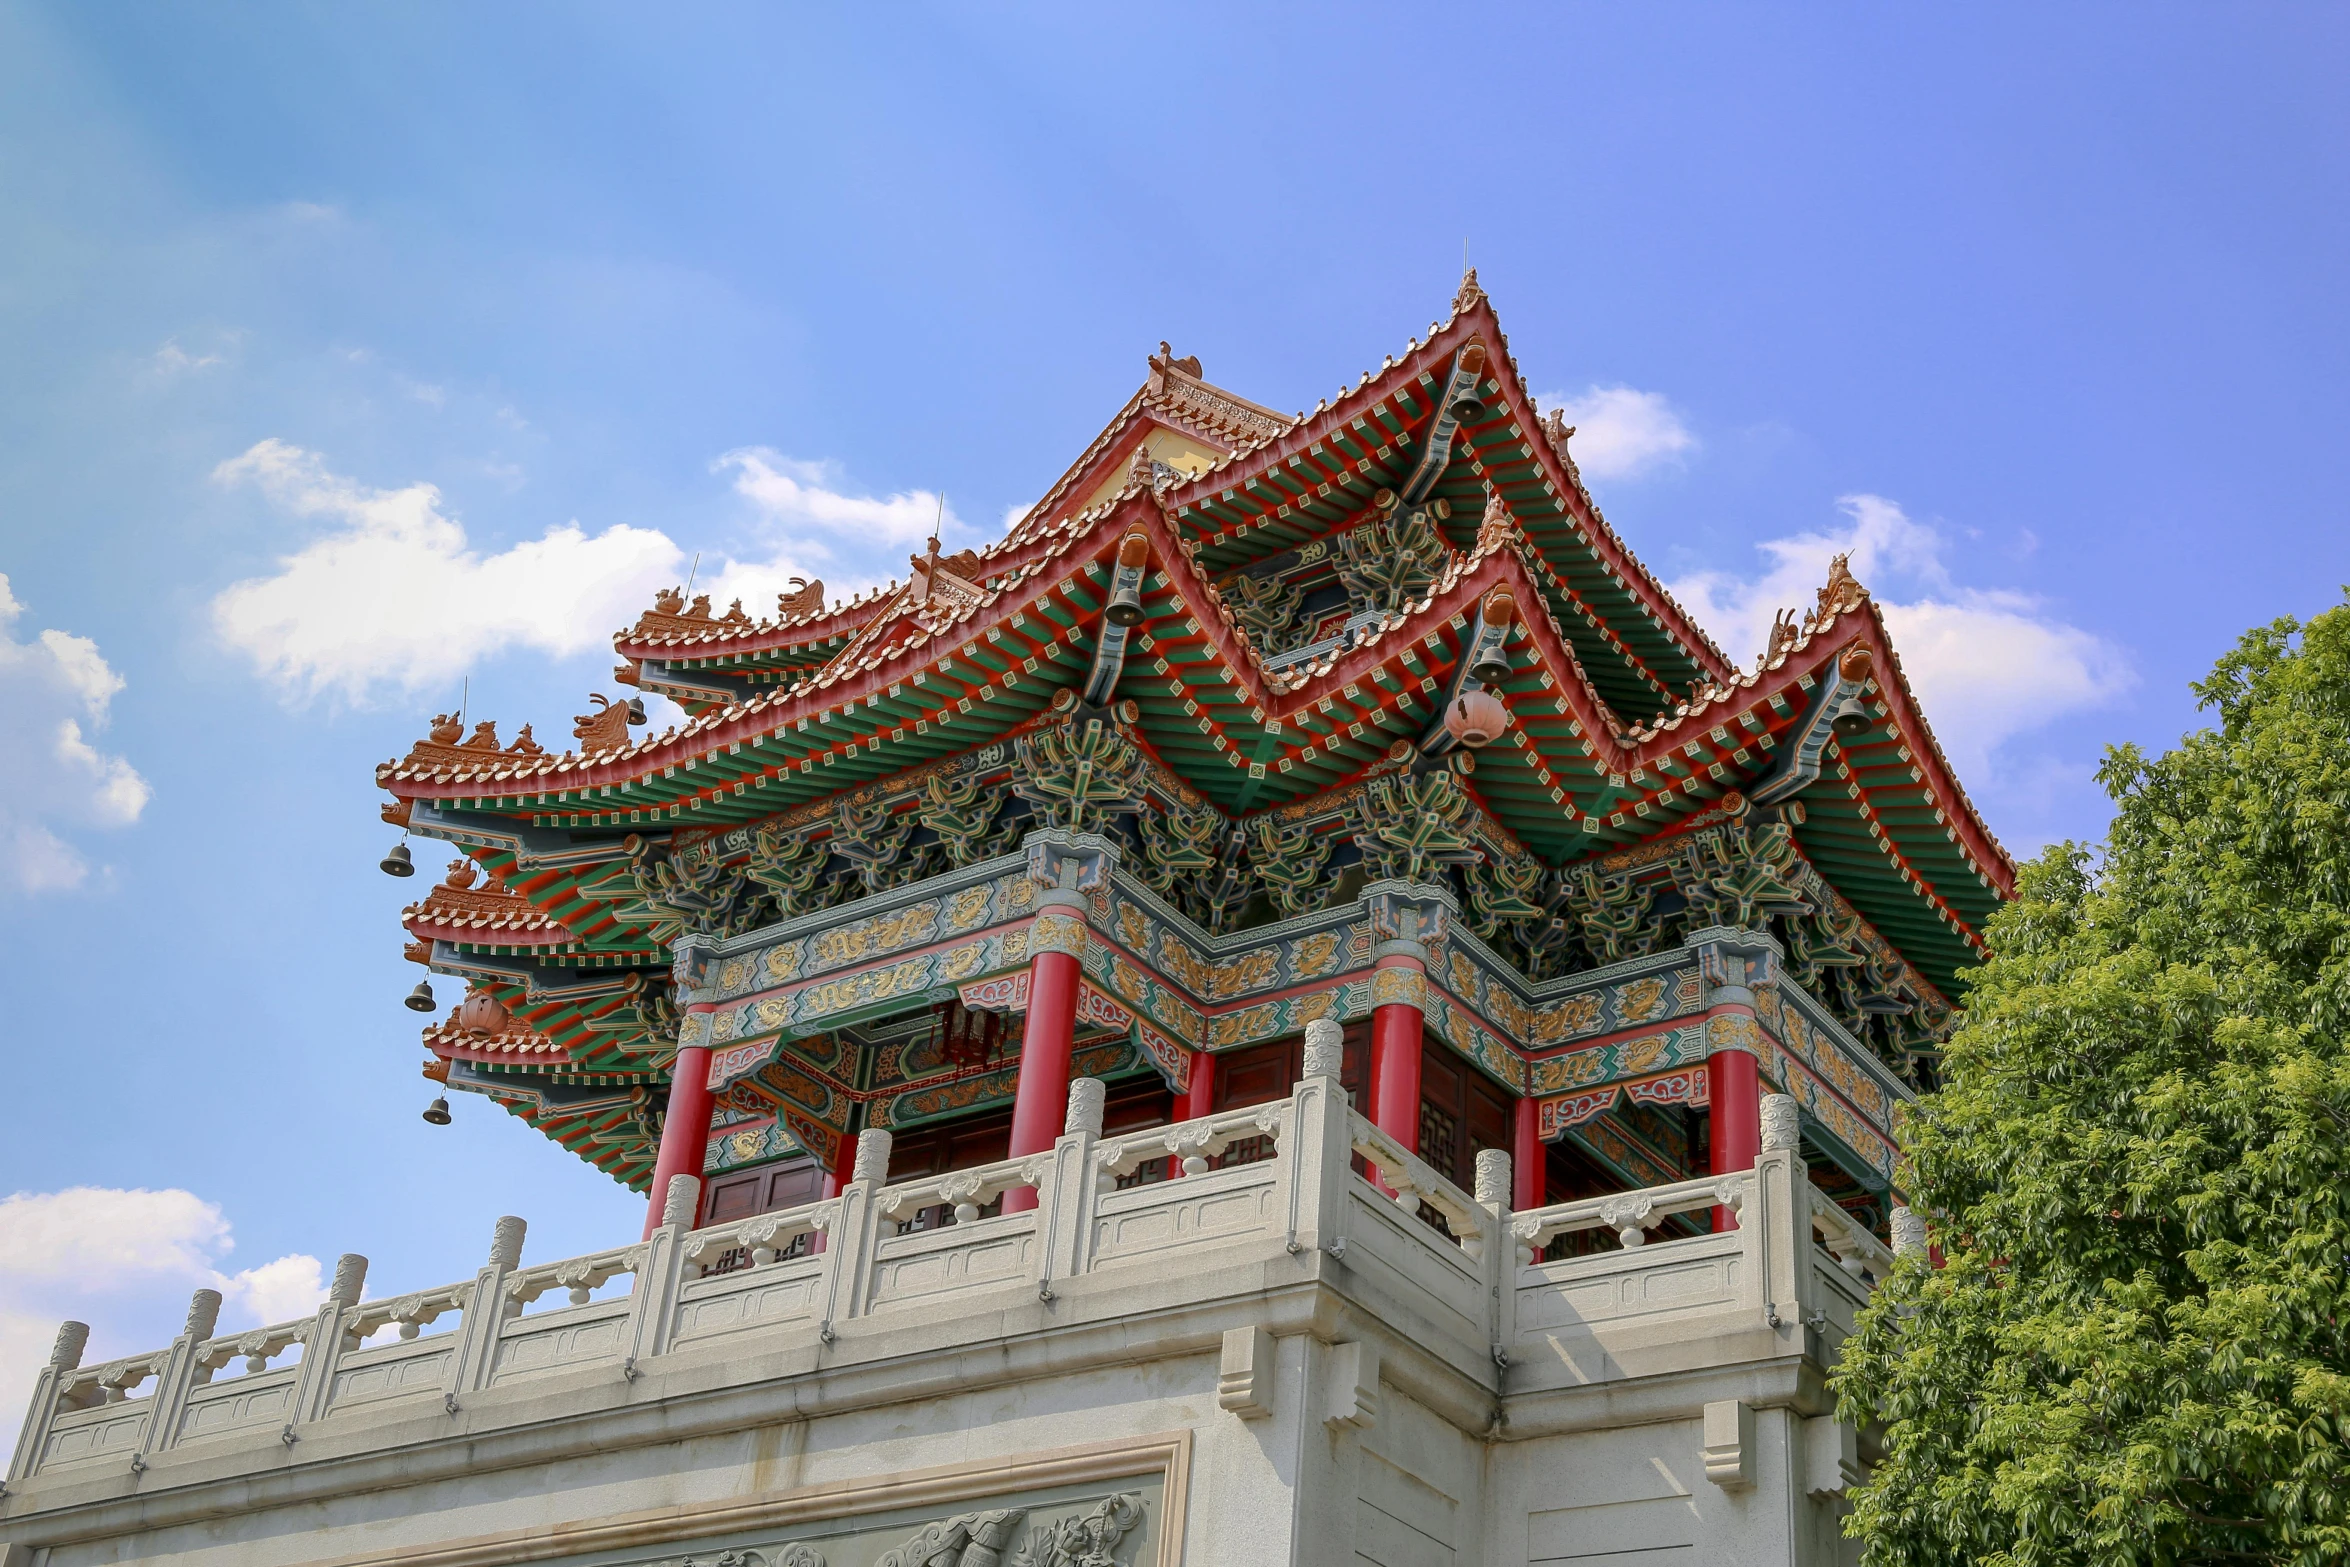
{"points": [[1470, 293], [1841, 594], [804, 598]]}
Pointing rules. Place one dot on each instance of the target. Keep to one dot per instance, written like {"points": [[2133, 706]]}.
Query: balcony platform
{"points": [[1269, 1362]]}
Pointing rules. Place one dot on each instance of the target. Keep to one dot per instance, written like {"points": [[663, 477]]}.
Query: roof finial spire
{"points": [[1470, 293], [929, 568]]}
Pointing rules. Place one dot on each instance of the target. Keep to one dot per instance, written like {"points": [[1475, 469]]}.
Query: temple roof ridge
{"points": [[1472, 318]]}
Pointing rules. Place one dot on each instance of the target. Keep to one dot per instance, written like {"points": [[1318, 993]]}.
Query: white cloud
{"points": [[812, 525], [125, 1262], [1621, 433], [171, 360], [1987, 664], [61, 687], [795, 493], [395, 595]]}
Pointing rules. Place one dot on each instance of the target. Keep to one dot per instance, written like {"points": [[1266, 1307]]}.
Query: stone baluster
{"points": [[1495, 1252], [652, 1308], [1197, 1101], [1777, 1218], [484, 1317], [854, 1234], [179, 1373], [1064, 1223], [1318, 1154], [329, 1339], [65, 1358]]}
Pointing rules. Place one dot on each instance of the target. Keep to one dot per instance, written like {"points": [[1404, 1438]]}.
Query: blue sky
{"points": [[352, 351]]}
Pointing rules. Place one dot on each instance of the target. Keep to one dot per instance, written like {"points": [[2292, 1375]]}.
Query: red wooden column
{"points": [[1399, 991], [1734, 1125], [1526, 1156], [1730, 965], [844, 1159], [685, 1130], [1040, 1101], [1200, 1098]]}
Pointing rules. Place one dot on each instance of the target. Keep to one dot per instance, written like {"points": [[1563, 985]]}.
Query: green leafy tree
{"points": [[2137, 1174]]}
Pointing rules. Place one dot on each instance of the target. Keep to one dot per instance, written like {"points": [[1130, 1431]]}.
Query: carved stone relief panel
{"points": [[1090, 1526]]}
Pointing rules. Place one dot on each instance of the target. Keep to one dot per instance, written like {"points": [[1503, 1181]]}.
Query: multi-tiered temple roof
{"points": [[1226, 642]]}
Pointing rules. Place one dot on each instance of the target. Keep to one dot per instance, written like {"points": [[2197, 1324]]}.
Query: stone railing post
{"points": [[323, 1346], [1496, 1251], [1909, 1230], [1064, 1222], [1320, 1149], [65, 1358], [178, 1373], [850, 1243], [484, 1316], [1777, 1222], [652, 1307]]}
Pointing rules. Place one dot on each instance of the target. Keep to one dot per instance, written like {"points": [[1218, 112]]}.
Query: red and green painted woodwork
{"points": [[1150, 985], [1567, 782]]}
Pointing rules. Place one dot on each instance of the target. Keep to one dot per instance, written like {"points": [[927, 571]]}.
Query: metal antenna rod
{"points": [[697, 571]]}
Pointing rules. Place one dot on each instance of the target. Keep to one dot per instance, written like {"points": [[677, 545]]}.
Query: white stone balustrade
{"points": [[1414, 1182], [1196, 1143], [1469, 1293], [1860, 1254], [965, 1191], [1631, 1215]]}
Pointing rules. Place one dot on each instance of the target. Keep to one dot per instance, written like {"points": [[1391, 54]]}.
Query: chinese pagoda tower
{"points": [[1364, 714], [1292, 1012]]}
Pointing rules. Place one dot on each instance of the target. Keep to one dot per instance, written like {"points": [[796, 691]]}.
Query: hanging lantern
{"points": [[483, 1013], [966, 1040], [398, 862], [1476, 718], [420, 999], [437, 1113]]}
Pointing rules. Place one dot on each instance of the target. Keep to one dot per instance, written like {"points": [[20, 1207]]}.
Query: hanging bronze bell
{"points": [[1849, 724], [1468, 408], [636, 710], [397, 863], [420, 999], [437, 1113]]}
